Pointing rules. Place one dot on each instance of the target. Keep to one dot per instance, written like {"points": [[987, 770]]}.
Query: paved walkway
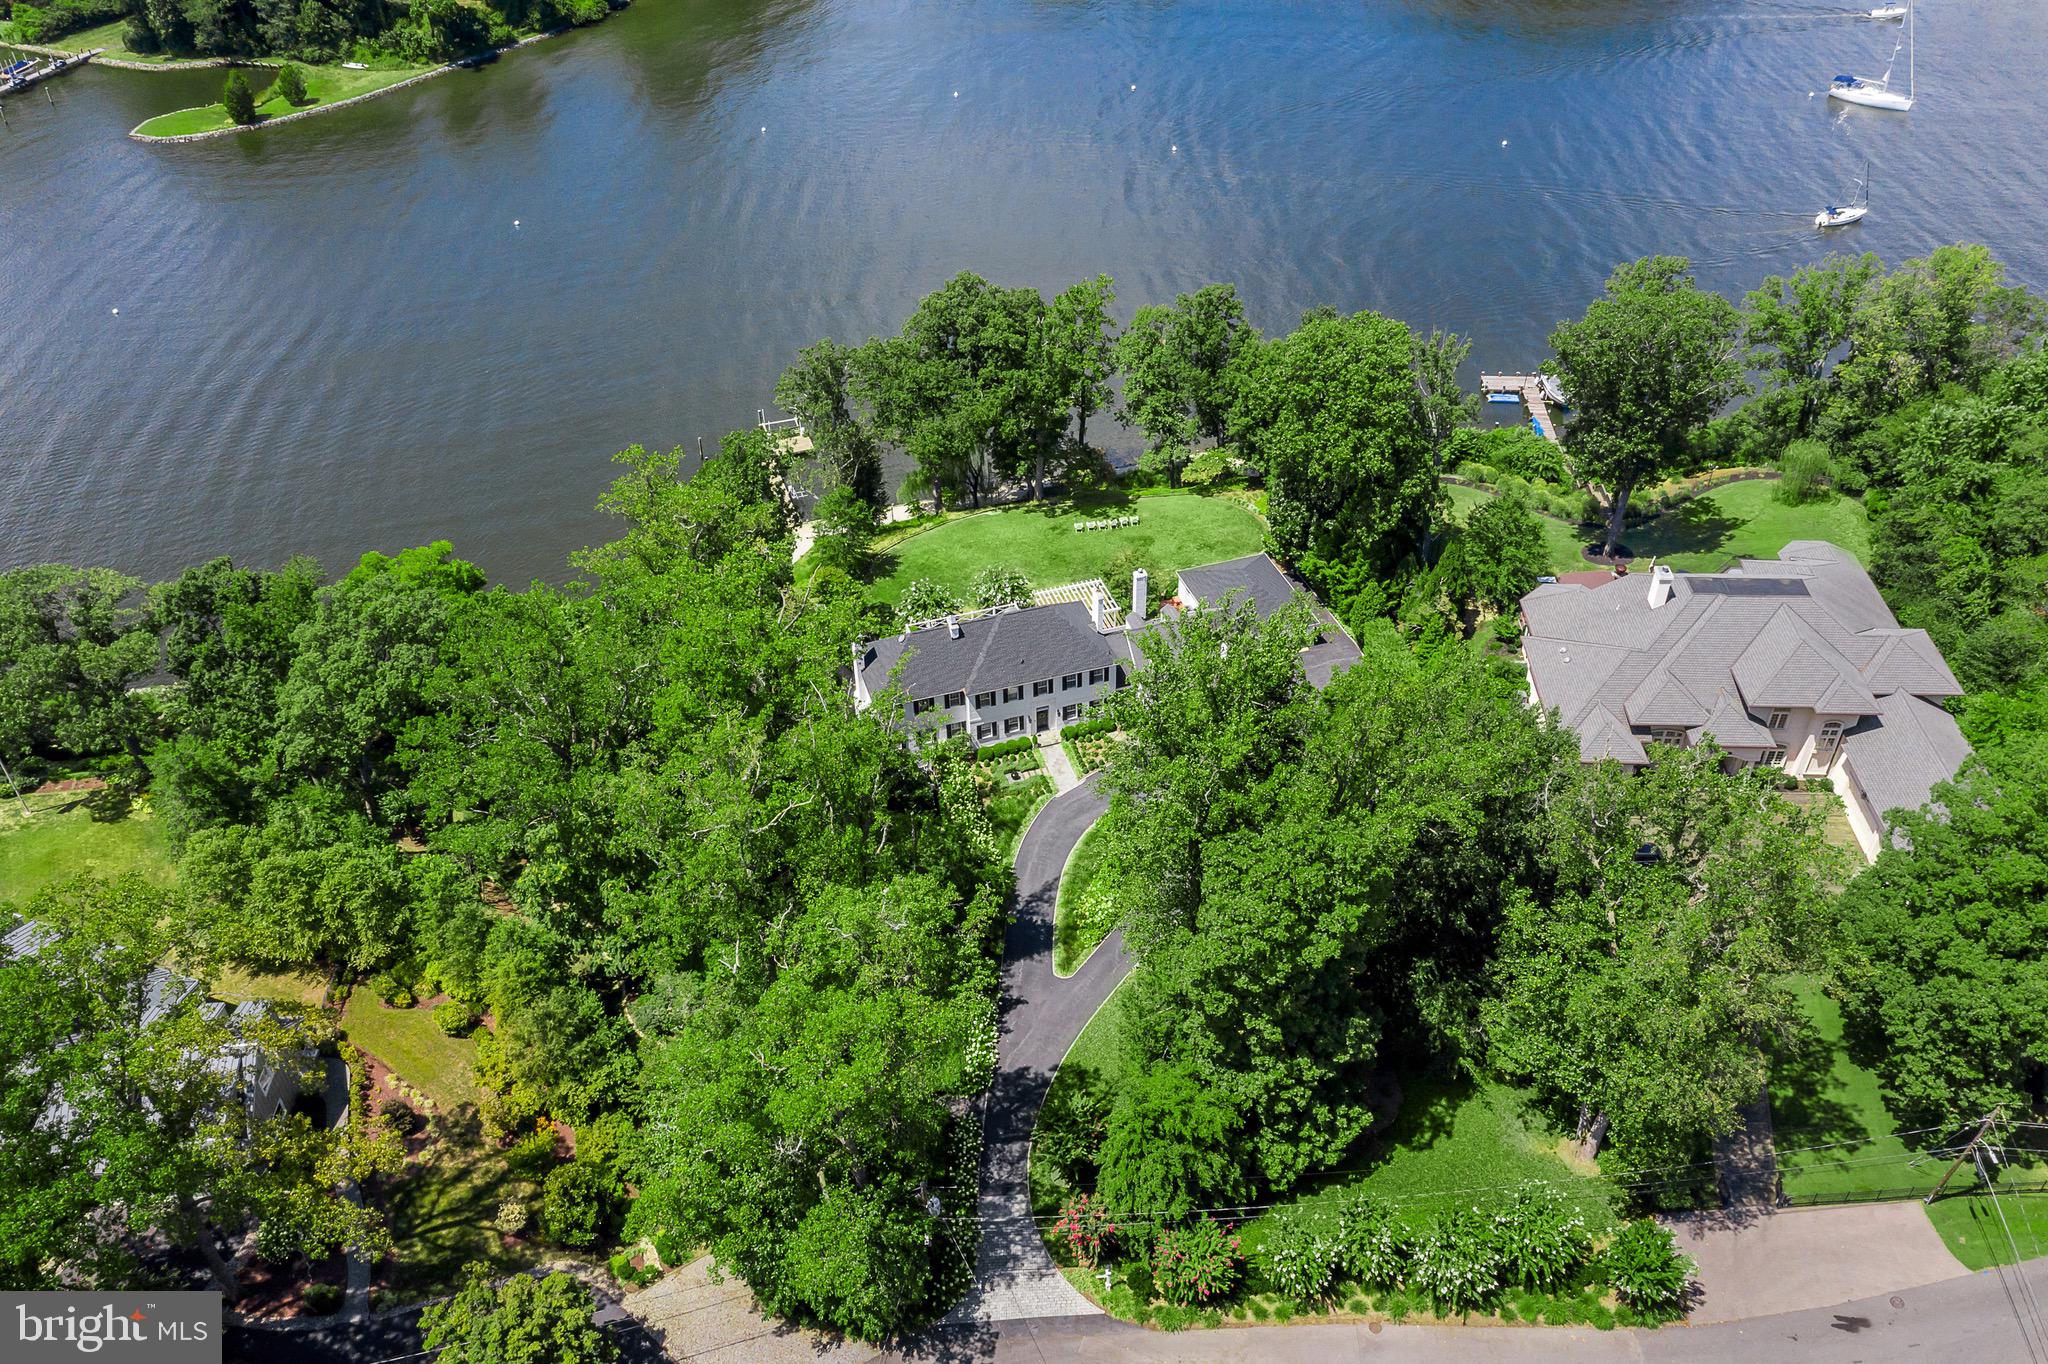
{"points": [[1041, 1016], [1756, 1263], [1746, 1160], [1053, 754]]}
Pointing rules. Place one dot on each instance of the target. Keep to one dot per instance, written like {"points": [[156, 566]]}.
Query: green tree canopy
{"points": [[530, 1319], [1649, 363]]}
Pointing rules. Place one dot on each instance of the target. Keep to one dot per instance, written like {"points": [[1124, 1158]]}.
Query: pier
{"points": [[19, 73], [1537, 392]]}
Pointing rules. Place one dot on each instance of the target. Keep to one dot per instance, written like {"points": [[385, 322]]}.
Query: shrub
{"points": [[533, 1156], [1088, 729], [1197, 1263], [290, 85], [1374, 1243], [621, 1266], [399, 1116], [577, 1203], [1085, 1228], [1455, 1262], [999, 587], [585, 11], [238, 99], [455, 1018], [1302, 1256], [393, 991], [1805, 464], [1646, 1270], [1006, 749], [924, 600], [511, 1217], [670, 1247], [1072, 1123], [1542, 1240], [322, 1298], [137, 36]]}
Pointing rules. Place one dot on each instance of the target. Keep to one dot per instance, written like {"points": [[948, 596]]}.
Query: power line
{"points": [[2026, 1294]]}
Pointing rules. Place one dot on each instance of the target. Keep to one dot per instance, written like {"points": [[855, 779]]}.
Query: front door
{"points": [[1044, 719]]}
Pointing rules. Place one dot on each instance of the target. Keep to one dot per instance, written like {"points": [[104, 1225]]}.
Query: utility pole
{"points": [[1983, 1130]]}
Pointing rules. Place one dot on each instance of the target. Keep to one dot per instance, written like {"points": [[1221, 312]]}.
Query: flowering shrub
{"points": [[1375, 1245], [1085, 1227], [1302, 1256], [980, 1066], [1541, 1239], [1197, 1263], [1456, 1263], [1646, 1269]]}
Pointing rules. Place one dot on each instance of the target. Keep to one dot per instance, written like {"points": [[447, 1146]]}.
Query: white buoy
{"points": [[515, 222], [764, 127], [956, 94], [1503, 142], [1134, 87], [115, 311], [1176, 149]]}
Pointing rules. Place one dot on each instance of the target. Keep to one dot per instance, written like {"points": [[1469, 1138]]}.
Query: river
{"points": [[332, 336]]}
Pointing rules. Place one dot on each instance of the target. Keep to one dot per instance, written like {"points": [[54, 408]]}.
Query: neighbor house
{"points": [[247, 1076], [1792, 663], [1015, 671]]}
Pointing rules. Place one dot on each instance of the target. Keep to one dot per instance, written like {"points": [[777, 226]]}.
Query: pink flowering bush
{"points": [[1085, 1228], [1195, 1264]]}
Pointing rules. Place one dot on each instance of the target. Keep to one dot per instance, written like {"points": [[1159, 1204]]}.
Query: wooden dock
{"points": [[1536, 391], [51, 66]]}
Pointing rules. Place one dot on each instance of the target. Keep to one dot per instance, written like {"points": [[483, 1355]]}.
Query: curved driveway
{"points": [[1015, 1279]]}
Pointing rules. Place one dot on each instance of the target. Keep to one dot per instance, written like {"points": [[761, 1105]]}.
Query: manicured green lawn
{"points": [[300, 987], [1736, 521], [324, 85], [1970, 1223], [1174, 531], [413, 1045], [441, 1210], [57, 844], [1746, 521], [1076, 935], [108, 36], [1822, 1098]]}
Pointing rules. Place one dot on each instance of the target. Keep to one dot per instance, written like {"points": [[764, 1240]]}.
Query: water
{"points": [[331, 337]]}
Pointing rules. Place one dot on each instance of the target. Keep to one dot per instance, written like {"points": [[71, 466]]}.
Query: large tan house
{"points": [[1794, 662]]}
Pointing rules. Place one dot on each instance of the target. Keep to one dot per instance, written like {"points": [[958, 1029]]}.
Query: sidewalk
{"points": [[1053, 754]]}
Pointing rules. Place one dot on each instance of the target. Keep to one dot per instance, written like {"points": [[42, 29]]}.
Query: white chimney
{"points": [[1660, 585], [1140, 584], [952, 627], [1098, 607]]}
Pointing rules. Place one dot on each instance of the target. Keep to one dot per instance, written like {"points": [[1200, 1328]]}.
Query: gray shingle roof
{"points": [[1004, 650], [1806, 630], [1254, 578], [1898, 756]]}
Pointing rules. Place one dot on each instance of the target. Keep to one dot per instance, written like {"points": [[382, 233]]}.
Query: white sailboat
{"points": [[1878, 94], [1889, 12], [1852, 212]]}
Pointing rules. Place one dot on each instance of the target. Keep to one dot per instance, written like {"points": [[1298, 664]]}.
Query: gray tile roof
{"points": [[1004, 650], [1806, 630], [1254, 578]]}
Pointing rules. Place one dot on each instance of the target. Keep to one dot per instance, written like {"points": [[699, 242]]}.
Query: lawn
{"points": [[59, 843], [1011, 804], [415, 1048], [1101, 1051], [324, 85], [441, 1209], [1174, 531], [1735, 521], [108, 36], [1076, 934], [235, 984], [1746, 521]]}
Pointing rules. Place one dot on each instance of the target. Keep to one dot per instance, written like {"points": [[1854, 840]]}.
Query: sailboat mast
{"points": [[1912, 72]]}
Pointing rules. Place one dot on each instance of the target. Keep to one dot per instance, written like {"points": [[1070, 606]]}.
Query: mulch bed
{"points": [[274, 1292]]}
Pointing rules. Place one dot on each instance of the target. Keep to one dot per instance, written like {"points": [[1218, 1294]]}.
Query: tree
{"points": [[147, 1144], [290, 85], [545, 1319], [1647, 987], [72, 644], [925, 600], [237, 99], [1943, 985], [1080, 348], [1495, 560], [821, 390], [1178, 364], [845, 529], [1441, 406], [1330, 412], [1649, 363], [1168, 1149], [1795, 325]]}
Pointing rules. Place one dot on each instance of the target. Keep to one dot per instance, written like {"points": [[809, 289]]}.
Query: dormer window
{"points": [[1674, 737]]}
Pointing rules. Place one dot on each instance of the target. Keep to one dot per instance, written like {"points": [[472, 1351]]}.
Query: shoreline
{"points": [[459, 64]]}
